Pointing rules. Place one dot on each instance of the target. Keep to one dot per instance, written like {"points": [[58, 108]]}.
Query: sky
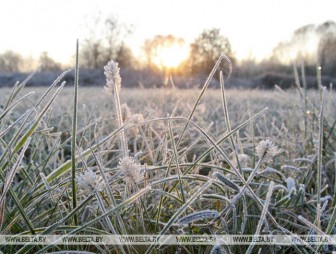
{"points": [[254, 28]]}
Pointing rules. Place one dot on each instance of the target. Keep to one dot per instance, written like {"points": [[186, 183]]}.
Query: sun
{"points": [[171, 56]]}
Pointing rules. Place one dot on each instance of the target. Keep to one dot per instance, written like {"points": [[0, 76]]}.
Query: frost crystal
{"points": [[89, 181], [266, 150], [113, 79], [132, 171]]}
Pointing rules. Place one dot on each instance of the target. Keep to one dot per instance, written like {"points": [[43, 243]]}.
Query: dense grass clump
{"points": [[215, 162]]}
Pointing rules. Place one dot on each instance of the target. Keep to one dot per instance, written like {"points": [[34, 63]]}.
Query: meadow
{"points": [[167, 161]]}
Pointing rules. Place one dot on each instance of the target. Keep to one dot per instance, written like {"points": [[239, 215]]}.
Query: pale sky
{"points": [[253, 27]]}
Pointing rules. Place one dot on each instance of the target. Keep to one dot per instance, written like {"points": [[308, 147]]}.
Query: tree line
{"points": [[311, 45]]}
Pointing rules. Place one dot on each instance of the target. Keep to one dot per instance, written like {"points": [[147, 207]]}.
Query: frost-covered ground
{"points": [[264, 171]]}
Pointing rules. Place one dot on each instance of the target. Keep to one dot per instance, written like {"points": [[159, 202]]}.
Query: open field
{"points": [[171, 165]]}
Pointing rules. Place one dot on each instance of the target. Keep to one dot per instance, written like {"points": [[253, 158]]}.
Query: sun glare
{"points": [[171, 56]]}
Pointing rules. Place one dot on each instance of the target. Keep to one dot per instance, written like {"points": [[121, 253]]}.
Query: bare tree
{"points": [[311, 45], [327, 47], [92, 53], [105, 41], [92, 48], [301, 48], [207, 48], [10, 61], [124, 56]]}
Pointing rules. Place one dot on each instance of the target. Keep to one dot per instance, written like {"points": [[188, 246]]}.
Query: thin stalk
{"points": [[122, 136], [319, 80], [73, 141], [319, 164], [6, 188], [107, 219], [181, 210], [110, 194], [17, 88], [205, 86], [112, 87], [215, 144], [305, 108], [243, 189], [263, 215], [177, 161], [115, 209], [10, 107], [297, 80], [227, 119], [56, 225]]}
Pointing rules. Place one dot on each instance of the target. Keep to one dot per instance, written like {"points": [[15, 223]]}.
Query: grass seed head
{"points": [[266, 150], [113, 79], [89, 181], [132, 170]]}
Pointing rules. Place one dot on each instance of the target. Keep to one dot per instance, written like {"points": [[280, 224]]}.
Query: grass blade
{"points": [[319, 163], [181, 210], [73, 135], [263, 215]]}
